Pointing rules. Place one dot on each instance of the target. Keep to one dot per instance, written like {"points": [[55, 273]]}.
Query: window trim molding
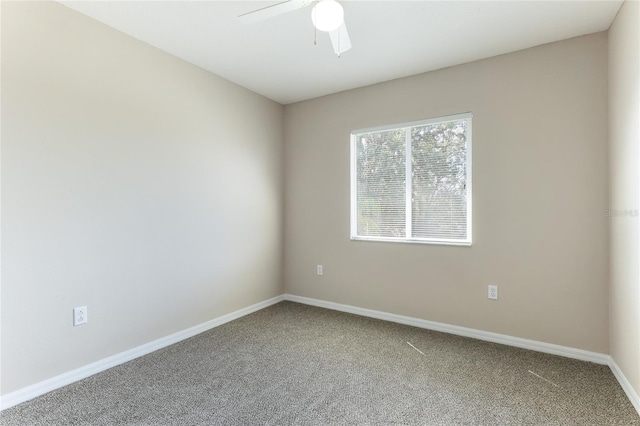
{"points": [[469, 184]]}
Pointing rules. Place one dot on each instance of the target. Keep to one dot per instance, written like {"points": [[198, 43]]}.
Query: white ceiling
{"points": [[391, 39]]}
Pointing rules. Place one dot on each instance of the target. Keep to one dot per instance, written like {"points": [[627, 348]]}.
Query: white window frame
{"points": [[403, 126]]}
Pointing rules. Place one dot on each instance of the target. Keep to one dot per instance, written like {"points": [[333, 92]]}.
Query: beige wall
{"points": [[624, 176], [133, 183], [540, 191]]}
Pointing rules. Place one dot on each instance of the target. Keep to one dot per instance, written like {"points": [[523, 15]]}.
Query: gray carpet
{"points": [[295, 364]]}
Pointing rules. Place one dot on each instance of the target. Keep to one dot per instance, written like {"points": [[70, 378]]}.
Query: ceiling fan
{"points": [[326, 15]]}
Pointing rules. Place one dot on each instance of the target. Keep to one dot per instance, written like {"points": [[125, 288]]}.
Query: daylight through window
{"points": [[411, 182]]}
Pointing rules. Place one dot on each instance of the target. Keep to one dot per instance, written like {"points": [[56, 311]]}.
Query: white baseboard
{"points": [[504, 339], [30, 392], [626, 386]]}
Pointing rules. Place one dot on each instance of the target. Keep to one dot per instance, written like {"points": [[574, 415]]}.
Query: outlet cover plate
{"points": [[80, 315]]}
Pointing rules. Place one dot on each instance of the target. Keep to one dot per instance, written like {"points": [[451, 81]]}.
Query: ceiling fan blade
{"points": [[340, 39], [273, 10]]}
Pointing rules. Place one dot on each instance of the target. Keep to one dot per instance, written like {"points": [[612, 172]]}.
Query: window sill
{"points": [[414, 241]]}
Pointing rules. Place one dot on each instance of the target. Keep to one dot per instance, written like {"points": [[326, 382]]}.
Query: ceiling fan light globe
{"points": [[327, 15]]}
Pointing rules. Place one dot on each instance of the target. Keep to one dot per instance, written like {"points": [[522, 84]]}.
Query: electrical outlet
{"points": [[80, 315], [493, 292], [319, 270]]}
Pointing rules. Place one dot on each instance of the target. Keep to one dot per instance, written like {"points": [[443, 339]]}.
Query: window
{"points": [[411, 182]]}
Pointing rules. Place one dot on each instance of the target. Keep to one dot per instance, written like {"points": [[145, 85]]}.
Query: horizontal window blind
{"points": [[412, 182]]}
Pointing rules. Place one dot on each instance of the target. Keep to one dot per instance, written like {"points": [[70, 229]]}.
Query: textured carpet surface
{"points": [[295, 364]]}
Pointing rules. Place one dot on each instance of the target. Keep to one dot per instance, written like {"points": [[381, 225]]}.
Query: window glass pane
{"points": [[380, 184], [439, 196]]}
